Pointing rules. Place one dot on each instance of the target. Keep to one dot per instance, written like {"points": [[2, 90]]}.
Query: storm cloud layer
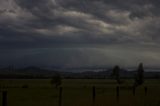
{"points": [[79, 32]]}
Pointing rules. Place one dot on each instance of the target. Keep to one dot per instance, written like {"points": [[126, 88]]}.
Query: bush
{"points": [[25, 86], [56, 80]]}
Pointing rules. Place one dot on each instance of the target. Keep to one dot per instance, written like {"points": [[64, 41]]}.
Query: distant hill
{"points": [[90, 73], [28, 72]]}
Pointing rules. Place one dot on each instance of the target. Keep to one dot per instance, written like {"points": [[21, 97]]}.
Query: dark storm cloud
{"points": [[99, 7], [28, 24], [74, 20]]}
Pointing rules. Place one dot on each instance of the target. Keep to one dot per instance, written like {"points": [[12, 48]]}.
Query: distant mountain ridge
{"points": [[37, 72]]}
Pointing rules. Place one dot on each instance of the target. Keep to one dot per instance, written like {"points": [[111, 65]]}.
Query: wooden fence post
{"points": [[4, 98], [117, 93], [134, 90], [145, 90], [60, 96], [93, 95]]}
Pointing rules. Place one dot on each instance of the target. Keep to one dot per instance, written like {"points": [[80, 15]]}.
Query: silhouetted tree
{"points": [[139, 78], [115, 73], [56, 80]]}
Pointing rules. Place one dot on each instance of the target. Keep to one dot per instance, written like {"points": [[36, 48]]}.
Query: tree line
{"points": [[138, 79]]}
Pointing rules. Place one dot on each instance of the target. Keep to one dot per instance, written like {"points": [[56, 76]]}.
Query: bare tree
{"points": [[115, 73], [139, 78]]}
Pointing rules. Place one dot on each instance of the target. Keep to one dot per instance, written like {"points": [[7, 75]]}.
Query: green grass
{"points": [[78, 92]]}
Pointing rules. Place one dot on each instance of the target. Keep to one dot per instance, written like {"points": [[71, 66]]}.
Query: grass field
{"points": [[78, 92]]}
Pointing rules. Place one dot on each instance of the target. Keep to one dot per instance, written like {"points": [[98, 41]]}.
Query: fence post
{"points": [[93, 95], [60, 96], [145, 90], [134, 90], [117, 93], [4, 98]]}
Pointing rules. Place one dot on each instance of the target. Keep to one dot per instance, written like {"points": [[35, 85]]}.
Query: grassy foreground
{"points": [[78, 92]]}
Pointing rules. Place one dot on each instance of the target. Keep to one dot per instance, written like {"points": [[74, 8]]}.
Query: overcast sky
{"points": [[74, 33]]}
